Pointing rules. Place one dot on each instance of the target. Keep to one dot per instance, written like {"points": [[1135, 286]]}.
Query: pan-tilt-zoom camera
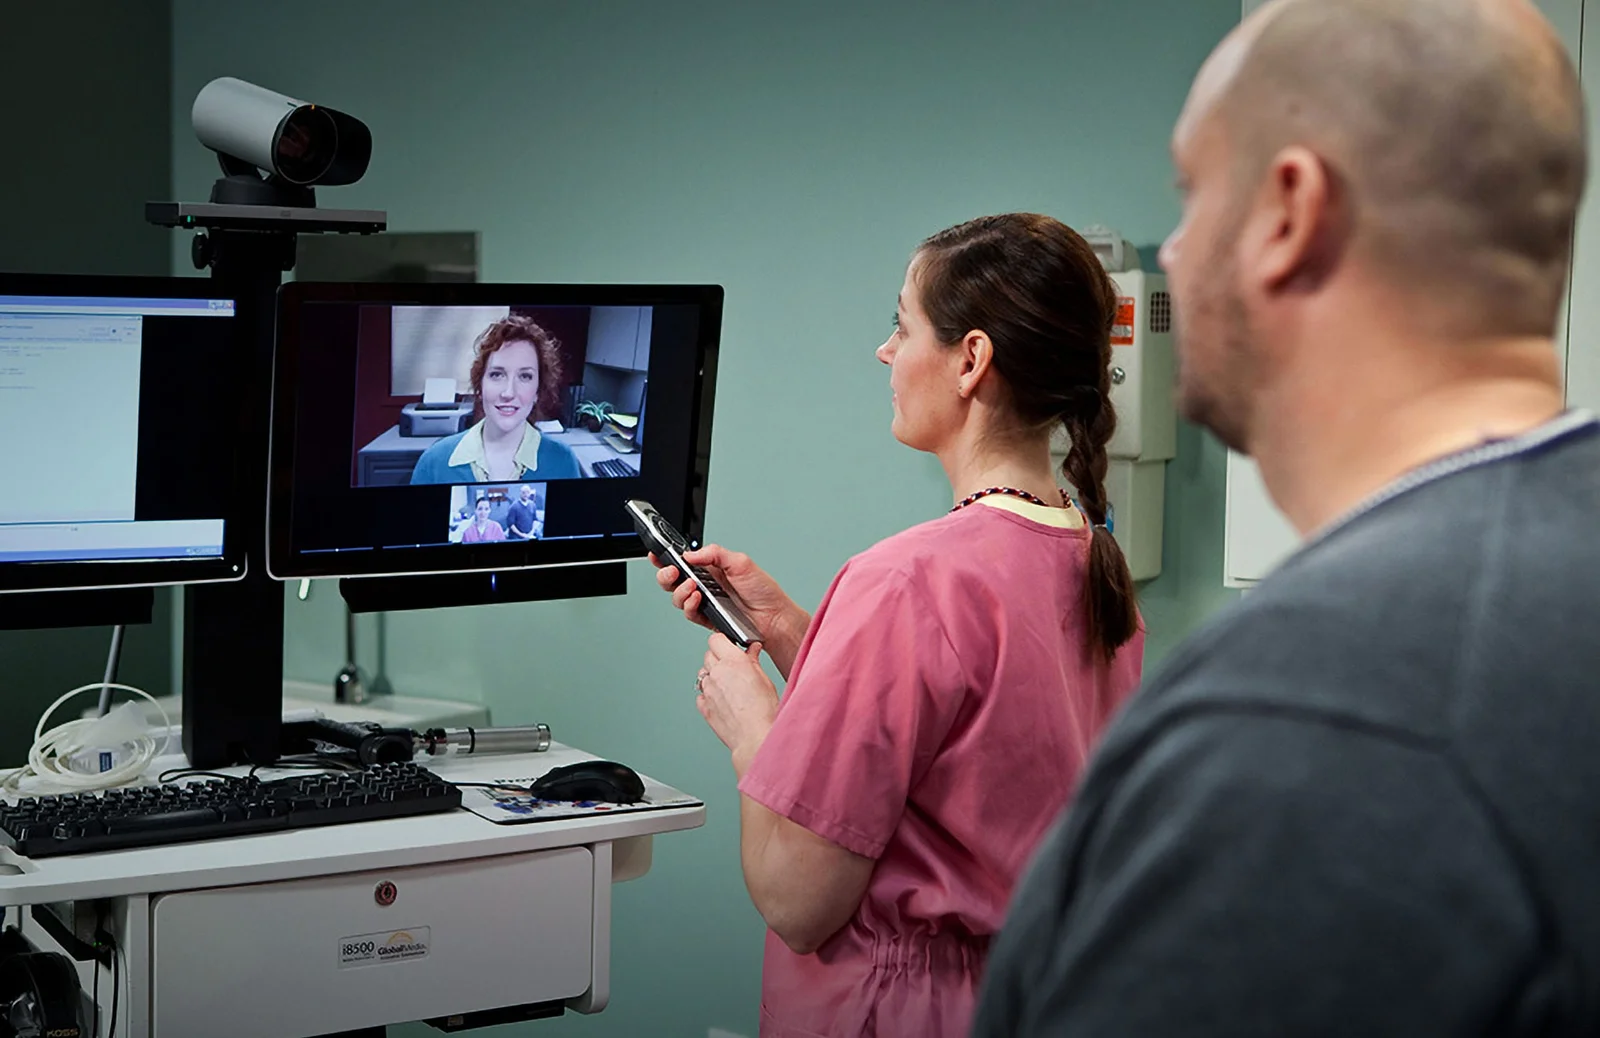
{"points": [[297, 142]]}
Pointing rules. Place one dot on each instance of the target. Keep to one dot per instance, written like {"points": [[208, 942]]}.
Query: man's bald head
{"points": [[1453, 131]]}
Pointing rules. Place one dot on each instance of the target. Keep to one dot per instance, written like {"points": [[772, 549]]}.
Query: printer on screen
{"points": [[438, 413]]}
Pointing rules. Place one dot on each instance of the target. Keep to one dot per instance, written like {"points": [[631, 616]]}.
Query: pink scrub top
{"points": [[937, 719], [492, 531]]}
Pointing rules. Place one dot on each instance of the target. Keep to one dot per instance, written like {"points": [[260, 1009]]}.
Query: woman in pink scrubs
{"points": [[942, 702]]}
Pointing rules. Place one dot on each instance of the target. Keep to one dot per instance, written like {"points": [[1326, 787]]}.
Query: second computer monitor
{"points": [[447, 428], [120, 416]]}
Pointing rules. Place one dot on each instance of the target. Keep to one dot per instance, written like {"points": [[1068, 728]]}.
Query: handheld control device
{"points": [[717, 603]]}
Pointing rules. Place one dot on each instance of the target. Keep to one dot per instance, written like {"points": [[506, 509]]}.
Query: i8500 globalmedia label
{"points": [[377, 949]]}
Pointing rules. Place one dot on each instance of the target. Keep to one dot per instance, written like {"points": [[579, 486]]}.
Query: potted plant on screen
{"points": [[592, 414]]}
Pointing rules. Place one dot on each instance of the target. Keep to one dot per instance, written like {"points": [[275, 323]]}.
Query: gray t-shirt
{"points": [[1364, 801]]}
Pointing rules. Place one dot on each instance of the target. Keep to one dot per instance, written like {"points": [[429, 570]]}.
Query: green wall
{"points": [[794, 154], [88, 142]]}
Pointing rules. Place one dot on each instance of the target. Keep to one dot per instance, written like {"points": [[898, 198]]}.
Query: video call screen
{"points": [[501, 430]]}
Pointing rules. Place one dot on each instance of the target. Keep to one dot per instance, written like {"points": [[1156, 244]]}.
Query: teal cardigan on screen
{"points": [[555, 462]]}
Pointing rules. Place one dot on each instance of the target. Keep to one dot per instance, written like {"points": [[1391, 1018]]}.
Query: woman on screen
{"points": [[482, 529], [516, 375]]}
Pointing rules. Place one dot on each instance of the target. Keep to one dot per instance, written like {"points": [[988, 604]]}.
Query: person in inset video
{"points": [[482, 529], [523, 519], [516, 376]]}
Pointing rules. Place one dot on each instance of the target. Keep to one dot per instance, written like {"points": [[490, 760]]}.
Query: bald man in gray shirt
{"points": [[1366, 799]]}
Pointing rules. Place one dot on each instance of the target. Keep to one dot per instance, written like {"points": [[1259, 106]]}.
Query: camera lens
{"points": [[305, 146]]}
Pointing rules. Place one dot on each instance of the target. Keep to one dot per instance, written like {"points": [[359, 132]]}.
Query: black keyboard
{"points": [[74, 823], [613, 467]]}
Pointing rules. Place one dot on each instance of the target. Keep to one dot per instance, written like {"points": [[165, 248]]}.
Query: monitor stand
{"points": [[233, 671], [233, 632], [438, 590]]}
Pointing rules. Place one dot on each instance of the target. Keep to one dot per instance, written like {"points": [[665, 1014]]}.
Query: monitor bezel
{"points": [[98, 574], [285, 563]]}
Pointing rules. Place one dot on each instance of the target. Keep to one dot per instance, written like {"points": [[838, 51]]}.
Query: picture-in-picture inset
{"points": [[486, 514], [485, 394]]}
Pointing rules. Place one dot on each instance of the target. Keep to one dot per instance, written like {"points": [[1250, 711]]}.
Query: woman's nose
{"points": [[1168, 253], [885, 352]]}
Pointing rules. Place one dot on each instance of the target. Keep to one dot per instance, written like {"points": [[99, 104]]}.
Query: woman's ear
{"points": [[975, 354]]}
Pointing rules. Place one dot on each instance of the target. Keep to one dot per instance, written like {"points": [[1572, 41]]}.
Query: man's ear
{"points": [[1297, 228], [975, 357]]}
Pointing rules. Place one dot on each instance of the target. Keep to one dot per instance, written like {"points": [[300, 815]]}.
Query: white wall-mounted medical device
{"points": [[1143, 377]]}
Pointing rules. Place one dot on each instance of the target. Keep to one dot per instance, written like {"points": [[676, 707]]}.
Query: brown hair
{"points": [[520, 328], [1037, 290]]}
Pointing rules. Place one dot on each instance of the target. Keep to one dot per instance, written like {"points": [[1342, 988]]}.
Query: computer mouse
{"points": [[603, 780]]}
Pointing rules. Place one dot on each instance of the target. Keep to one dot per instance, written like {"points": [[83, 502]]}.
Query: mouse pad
{"points": [[510, 806]]}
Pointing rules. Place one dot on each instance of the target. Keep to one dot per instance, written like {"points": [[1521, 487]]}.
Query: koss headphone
{"points": [[39, 993]]}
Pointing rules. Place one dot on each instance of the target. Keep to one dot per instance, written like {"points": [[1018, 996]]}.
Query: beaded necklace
{"points": [[1066, 502]]}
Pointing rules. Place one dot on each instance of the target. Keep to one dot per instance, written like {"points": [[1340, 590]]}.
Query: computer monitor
{"points": [[116, 411], [425, 429]]}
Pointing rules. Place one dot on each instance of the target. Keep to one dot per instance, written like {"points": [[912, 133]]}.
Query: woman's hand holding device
{"points": [[781, 622], [750, 602]]}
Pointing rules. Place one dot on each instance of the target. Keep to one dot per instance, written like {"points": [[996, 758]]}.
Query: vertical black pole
{"points": [[233, 632]]}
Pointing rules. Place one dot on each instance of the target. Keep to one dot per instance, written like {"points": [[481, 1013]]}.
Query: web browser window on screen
{"points": [[73, 380], [117, 426]]}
